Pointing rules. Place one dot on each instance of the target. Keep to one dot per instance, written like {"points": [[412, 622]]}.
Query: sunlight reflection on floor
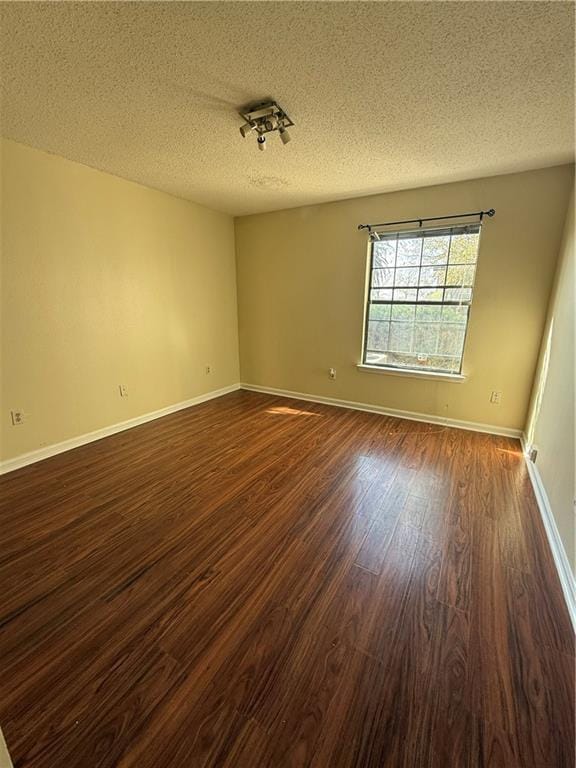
{"points": [[515, 452], [285, 410]]}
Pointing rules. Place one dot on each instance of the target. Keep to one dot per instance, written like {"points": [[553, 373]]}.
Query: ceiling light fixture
{"points": [[265, 117]]}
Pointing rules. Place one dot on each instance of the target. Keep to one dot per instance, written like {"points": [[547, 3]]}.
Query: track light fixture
{"points": [[265, 117]]}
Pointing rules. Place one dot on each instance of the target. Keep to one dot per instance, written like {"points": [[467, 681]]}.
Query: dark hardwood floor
{"points": [[260, 582]]}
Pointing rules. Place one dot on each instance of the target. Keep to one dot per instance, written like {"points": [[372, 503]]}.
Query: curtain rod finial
{"points": [[491, 212]]}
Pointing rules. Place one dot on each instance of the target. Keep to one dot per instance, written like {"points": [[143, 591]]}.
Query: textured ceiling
{"points": [[384, 95]]}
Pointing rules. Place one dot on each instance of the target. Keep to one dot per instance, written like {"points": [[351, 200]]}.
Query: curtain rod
{"points": [[481, 214]]}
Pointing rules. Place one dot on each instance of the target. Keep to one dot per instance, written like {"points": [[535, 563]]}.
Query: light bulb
{"points": [[284, 135], [246, 128]]}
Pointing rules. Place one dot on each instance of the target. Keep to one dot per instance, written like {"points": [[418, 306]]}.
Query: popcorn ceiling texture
{"points": [[385, 95]]}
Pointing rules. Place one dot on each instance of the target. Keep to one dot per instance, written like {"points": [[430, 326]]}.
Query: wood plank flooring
{"points": [[262, 582]]}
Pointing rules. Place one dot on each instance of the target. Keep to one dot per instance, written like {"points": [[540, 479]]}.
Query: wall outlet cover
{"points": [[17, 417]]}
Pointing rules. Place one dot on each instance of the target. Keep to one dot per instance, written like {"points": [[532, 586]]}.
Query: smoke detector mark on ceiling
{"points": [[268, 182]]}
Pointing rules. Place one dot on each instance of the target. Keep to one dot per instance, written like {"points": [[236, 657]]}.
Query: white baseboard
{"points": [[565, 573], [410, 415], [67, 445]]}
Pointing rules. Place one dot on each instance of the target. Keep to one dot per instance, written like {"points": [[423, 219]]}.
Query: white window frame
{"points": [[418, 372]]}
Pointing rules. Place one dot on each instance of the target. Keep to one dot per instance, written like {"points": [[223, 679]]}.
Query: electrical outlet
{"points": [[208, 370], [17, 417], [332, 374], [496, 397], [123, 390]]}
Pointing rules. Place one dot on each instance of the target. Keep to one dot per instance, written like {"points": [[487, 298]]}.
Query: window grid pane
{"points": [[419, 299]]}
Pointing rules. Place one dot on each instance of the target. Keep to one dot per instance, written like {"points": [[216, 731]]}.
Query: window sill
{"points": [[431, 375]]}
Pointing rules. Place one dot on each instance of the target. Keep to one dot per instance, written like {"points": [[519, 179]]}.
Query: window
{"points": [[419, 298]]}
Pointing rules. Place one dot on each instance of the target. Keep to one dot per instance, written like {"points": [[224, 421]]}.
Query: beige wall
{"points": [[551, 427], [105, 282], [301, 279]]}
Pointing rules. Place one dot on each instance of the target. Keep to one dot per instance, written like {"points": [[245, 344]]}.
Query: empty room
{"points": [[287, 447]]}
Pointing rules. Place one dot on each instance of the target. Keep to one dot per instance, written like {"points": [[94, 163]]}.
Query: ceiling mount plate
{"points": [[260, 112]]}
